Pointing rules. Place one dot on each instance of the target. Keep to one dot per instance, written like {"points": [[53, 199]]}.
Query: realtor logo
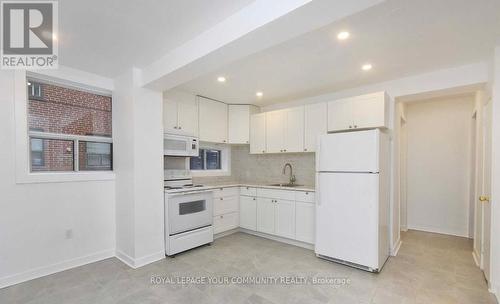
{"points": [[29, 34]]}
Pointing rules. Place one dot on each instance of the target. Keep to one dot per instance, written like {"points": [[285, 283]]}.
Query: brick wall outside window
{"points": [[67, 111]]}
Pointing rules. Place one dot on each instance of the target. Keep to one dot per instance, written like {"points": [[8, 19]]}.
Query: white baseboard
{"points": [[396, 247], [439, 231], [476, 258], [125, 258], [279, 239], [57, 267], [149, 259], [495, 291], [136, 263], [226, 233]]}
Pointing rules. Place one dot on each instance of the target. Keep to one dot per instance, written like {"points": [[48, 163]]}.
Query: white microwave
{"points": [[180, 145]]}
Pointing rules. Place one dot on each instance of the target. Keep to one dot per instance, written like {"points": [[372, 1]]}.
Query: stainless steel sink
{"points": [[286, 185]]}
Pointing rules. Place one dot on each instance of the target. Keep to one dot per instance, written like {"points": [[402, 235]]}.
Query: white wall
{"points": [[34, 217], [438, 164], [138, 135]]}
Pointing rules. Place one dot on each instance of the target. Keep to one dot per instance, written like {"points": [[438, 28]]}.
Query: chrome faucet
{"points": [[292, 177]]}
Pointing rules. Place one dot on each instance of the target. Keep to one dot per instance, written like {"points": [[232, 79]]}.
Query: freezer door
{"points": [[347, 225], [349, 152]]}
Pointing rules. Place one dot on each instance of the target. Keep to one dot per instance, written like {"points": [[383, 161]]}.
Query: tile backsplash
{"points": [[266, 168]]}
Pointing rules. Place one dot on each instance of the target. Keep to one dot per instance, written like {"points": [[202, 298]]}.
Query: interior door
{"points": [[265, 215], [486, 191], [275, 131], [294, 130]]}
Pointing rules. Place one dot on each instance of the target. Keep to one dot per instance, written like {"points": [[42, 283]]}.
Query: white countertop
{"points": [[235, 184]]}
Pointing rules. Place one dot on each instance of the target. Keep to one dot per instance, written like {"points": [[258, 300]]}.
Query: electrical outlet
{"points": [[69, 234]]}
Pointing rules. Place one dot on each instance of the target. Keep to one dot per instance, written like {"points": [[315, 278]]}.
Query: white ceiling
{"points": [[106, 37], [399, 37]]}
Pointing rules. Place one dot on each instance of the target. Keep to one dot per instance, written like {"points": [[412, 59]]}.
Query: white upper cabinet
{"points": [[294, 130], [187, 113], [315, 124], [180, 113], [212, 120], [170, 123], [275, 131], [360, 112], [285, 130], [239, 123], [258, 133]]}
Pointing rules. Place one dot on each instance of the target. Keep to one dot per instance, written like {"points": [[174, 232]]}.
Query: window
{"points": [[208, 159], [37, 153], [62, 126], [213, 160], [35, 90]]}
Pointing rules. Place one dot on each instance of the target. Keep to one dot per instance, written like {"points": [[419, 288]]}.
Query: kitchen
{"points": [[280, 211], [345, 158]]}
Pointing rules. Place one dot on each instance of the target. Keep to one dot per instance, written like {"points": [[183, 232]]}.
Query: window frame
{"points": [[90, 83], [225, 161]]}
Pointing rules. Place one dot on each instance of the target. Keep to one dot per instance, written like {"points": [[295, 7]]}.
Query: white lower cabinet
{"points": [[284, 213], [265, 215], [304, 222], [226, 207], [284, 218], [248, 212], [225, 222]]}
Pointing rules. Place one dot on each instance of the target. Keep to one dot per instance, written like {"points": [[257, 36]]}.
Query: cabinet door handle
{"points": [[305, 149], [254, 198], [180, 127], [221, 199], [355, 126], [350, 127], [222, 216]]}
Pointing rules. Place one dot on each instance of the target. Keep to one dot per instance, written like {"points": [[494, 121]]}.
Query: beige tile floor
{"points": [[430, 268]]}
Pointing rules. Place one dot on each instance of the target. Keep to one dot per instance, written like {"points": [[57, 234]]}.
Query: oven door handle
{"points": [[188, 192]]}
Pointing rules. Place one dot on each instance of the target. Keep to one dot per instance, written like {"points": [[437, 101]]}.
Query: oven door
{"points": [[188, 211]]}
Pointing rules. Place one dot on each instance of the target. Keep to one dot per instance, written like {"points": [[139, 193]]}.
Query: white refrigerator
{"points": [[352, 198]]}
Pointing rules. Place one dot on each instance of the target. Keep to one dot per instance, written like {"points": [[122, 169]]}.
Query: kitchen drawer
{"points": [[276, 193], [304, 196], [226, 222], [224, 205], [227, 191], [248, 191]]}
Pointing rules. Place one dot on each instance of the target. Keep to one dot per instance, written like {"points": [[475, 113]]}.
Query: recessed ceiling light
{"points": [[259, 94], [221, 79], [366, 67], [343, 35]]}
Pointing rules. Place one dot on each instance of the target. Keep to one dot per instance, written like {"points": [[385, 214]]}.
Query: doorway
{"points": [[438, 179]]}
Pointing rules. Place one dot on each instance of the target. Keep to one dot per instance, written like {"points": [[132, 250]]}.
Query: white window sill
{"points": [[64, 177], [201, 173]]}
